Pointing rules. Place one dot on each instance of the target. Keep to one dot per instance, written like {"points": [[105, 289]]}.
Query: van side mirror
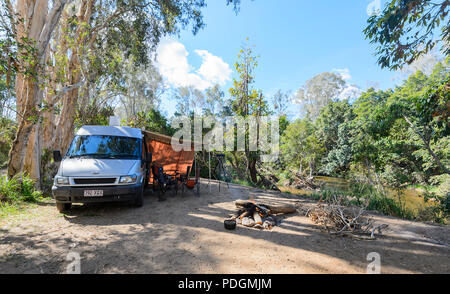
{"points": [[149, 158], [57, 156]]}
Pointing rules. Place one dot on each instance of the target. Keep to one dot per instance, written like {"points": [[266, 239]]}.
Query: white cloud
{"points": [[344, 72], [172, 60], [213, 68], [350, 92]]}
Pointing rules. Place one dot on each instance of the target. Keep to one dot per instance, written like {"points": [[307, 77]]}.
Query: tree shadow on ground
{"points": [[146, 240]]}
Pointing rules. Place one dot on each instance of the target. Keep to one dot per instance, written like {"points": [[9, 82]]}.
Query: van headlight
{"points": [[61, 181], [128, 179]]}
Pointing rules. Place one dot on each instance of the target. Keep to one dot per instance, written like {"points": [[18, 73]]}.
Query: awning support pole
{"points": [[209, 164]]}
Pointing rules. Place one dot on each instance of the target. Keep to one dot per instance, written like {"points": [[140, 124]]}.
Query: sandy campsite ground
{"points": [[186, 235]]}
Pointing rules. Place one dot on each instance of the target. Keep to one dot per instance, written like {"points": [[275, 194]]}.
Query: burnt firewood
{"points": [[274, 209], [248, 222], [257, 218]]}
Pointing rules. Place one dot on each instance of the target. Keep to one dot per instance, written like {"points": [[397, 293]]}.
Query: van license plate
{"points": [[93, 193]]}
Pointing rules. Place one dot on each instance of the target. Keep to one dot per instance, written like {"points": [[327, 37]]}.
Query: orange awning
{"points": [[164, 155]]}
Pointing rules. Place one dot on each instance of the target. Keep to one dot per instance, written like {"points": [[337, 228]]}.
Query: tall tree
{"points": [[301, 147], [281, 102], [140, 91], [213, 100], [31, 24], [247, 101], [407, 29], [83, 48], [189, 100], [423, 102], [334, 130], [318, 92]]}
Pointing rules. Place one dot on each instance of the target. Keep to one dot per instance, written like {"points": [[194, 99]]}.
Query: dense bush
{"points": [[359, 194], [18, 188], [7, 132]]}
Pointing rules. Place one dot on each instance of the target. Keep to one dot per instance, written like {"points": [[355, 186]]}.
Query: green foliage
{"points": [[364, 195], [301, 148], [93, 115], [334, 126], [18, 188], [153, 121], [7, 133], [391, 138], [406, 29], [246, 101]]}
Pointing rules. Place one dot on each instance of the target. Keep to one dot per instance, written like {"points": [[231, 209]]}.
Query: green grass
{"points": [[17, 194], [244, 183]]}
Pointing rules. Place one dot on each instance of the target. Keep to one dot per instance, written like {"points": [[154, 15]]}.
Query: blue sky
{"points": [[295, 39]]}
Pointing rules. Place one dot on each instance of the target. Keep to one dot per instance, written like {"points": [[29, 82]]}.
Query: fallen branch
{"points": [[341, 220]]}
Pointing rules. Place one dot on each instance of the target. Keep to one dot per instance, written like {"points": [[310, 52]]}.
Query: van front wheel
{"points": [[62, 207], [139, 197]]}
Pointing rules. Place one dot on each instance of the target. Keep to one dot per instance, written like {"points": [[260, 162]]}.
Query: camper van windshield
{"points": [[105, 147]]}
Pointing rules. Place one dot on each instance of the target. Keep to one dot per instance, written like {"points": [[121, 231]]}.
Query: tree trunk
{"points": [[58, 128], [252, 170], [25, 127], [36, 23]]}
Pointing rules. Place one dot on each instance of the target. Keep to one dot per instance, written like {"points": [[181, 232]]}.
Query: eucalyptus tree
{"points": [[247, 101], [214, 100], [61, 49], [318, 92], [281, 102]]}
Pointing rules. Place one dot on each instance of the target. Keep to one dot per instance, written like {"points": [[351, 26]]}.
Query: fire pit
{"points": [[259, 215]]}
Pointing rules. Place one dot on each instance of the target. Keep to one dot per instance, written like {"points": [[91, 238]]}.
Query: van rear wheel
{"points": [[62, 207]]}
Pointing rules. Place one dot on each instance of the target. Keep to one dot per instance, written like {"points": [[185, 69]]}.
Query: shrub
{"points": [[9, 188], [18, 188], [389, 206], [360, 194]]}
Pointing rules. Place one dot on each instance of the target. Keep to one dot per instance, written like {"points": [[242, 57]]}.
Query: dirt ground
{"points": [[186, 235]]}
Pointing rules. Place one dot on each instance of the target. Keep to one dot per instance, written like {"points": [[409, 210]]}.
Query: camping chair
{"points": [[163, 180], [190, 183]]}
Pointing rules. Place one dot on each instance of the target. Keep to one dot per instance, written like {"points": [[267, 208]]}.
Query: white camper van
{"points": [[102, 164]]}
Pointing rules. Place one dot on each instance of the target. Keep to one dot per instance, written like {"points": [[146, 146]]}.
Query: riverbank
{"points": [[409, 203]]}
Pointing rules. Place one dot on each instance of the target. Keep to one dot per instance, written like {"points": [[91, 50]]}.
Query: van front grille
{"points": [[94, 181]]}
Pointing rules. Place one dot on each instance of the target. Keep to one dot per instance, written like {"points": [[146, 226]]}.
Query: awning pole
{"points": [[209, 160]]}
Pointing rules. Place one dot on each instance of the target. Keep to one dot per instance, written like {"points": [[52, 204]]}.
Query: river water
{"points": [[411, 197]]}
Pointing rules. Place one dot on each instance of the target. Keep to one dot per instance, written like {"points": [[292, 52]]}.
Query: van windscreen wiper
{"points": [[121, 156], [88, 155]]}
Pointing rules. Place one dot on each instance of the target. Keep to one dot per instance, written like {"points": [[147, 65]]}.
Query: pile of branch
{"points": [[350, 221], [268, 179], [298, 181], [259, 215]]}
